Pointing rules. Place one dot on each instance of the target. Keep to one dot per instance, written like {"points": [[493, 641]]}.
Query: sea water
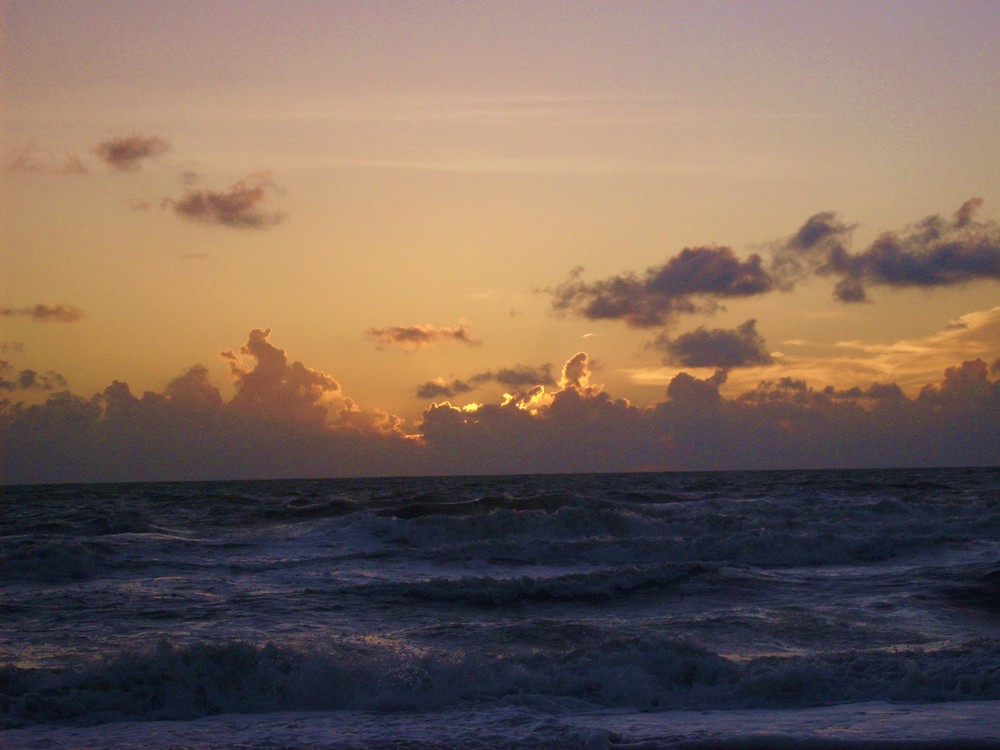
{"points": [[749, 609]]}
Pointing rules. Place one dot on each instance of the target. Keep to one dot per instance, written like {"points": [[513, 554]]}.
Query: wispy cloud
{"points": [[43, 313], [30, 159], [422, 335]]}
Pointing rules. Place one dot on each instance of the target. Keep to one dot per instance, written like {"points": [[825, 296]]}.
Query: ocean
{"points": [[805, 609]]}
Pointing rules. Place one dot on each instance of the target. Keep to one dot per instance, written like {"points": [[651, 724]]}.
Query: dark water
{"points": [[530, 611]]}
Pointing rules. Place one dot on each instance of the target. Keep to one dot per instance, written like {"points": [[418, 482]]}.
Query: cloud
{"points": [[422, 335], [290, 420], [31, 160], [687, 283], [933, 252], [125, 153], [28, 379], [42, 313], [716, 347], [268, 385], [241, 206], [518, 376], [440, 388]]}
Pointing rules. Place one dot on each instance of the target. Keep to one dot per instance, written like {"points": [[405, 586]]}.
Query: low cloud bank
{"points": [[289, 420]]}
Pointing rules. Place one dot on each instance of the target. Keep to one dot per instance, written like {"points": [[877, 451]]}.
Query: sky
{"points": [[332, 238]]}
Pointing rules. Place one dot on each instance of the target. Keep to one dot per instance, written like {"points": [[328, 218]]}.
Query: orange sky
{"points": [[430, 201]]}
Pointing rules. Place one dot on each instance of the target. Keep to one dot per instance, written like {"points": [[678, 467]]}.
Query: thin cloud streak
{"points": [[422, 335], [519, 376], [42, 313]]}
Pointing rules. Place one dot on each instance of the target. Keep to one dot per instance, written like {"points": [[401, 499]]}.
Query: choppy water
{"points": [[535, 611]]}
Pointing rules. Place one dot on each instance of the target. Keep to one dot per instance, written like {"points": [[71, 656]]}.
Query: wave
{"points": [[57, 560], [593, 585], [639, 673]]}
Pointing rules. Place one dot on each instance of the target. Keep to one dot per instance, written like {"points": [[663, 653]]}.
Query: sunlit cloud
{"points": [[42, 313], [126, 153], [270, 385], [423, 335]]}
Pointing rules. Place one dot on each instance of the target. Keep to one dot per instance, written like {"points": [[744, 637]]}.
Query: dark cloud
{"points": [[934, 252], [42, 313], [689, 282], [28, 379], [125, 153], [519, 376], [818, 247], [442, 389], [716, 347], [422, 335], [242, 206]]}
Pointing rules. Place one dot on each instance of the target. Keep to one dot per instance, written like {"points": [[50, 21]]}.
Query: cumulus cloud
{"points": [[690, 282], [716, 347], [32, 160], [42, 313], [243, 205], [269, 385], [126, 153], [423, 335]]}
